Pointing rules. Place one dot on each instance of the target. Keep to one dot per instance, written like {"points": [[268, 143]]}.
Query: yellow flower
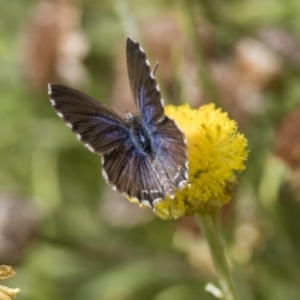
{"points": [[5, 292], [215, 150]]}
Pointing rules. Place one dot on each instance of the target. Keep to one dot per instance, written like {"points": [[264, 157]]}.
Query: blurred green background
{"points": [[65, 233]]}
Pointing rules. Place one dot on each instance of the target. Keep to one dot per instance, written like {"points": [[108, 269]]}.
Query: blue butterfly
{"points": [[144, 155]]}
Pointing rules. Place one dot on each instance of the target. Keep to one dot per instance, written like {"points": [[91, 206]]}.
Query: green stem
{"points": [[209, 226]]}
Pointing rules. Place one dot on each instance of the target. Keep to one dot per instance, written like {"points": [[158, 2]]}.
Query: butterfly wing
{"points": [[131, 173], [171, 151], [169, 141], [144, 87], [100, 129]]}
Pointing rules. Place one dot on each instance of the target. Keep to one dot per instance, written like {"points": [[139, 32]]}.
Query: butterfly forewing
{"points": [[143, 85], [96, 126]]}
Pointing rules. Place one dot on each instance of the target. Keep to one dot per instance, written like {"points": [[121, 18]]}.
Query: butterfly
{"points": [[144, 154]]}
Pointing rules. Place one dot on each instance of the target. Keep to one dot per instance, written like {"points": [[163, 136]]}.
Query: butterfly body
{"points": [[144, 154], [141, 136]]}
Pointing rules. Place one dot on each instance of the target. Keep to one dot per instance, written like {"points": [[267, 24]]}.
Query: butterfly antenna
{"points": [[155, 68]]}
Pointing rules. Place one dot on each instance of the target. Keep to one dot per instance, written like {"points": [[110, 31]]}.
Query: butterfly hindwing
{"points": [[131, 173], [171, 151], [99, 128]]}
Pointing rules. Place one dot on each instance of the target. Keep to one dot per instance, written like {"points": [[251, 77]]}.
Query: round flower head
{"points": [[215, 150]]}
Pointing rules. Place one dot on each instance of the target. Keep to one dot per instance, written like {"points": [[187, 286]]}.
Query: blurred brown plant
{"points": [[243, 78], [282, 41], [53, 45], [287, 140], [287, 147]]}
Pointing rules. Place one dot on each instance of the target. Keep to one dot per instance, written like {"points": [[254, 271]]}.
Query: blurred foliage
{"points": [[77, 247]]}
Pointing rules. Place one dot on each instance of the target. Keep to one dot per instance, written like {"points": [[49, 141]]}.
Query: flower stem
{"points": [[209, 226]]}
